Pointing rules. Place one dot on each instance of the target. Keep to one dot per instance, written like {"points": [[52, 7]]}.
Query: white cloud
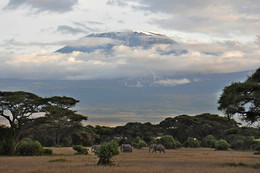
{"points": [[117, 2], [171, 82], [70, 30], [59, 6], [216, 18]]}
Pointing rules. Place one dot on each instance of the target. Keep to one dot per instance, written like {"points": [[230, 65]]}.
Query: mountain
{"points": [[106, 41]]}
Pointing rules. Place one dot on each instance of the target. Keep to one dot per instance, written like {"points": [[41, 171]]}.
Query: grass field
{"points": [[140, 161]]}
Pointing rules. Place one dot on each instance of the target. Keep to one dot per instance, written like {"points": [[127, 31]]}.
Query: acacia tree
{"points": [[17, 108], [242, 98], [60, 117]]}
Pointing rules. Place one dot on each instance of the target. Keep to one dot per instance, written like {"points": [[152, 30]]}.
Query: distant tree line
{"points": [[175, 132]]}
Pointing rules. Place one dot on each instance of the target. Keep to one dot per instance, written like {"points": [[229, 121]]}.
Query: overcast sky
{"points": [[220, 37]]}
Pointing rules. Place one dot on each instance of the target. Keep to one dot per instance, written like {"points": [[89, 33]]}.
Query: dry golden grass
{"points": [[141, 161]]}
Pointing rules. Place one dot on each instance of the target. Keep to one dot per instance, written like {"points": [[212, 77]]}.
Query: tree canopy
{"points": [[19, 107], [183, 126], [242, 98]]}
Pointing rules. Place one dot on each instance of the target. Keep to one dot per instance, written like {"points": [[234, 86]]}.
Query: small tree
{"points": [[30, 148], [257, 148], [222, 145], [169, 142], [239, 142], [191, 143], [139, 143], [106, 152], [60, 116], [80, 149], [208, 141]]}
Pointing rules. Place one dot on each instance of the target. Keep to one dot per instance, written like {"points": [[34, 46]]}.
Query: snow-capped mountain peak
{"points": [[107, 40]]}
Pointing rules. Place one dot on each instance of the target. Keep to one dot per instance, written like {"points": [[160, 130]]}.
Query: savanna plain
{"points": [[184, 160]]}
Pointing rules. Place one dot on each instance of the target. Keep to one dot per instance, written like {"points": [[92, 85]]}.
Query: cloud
{"points": [[20, 46], [133, 63], [216, 18], [117, 2], [70, 30], [171, 82], [79, 28], [57, 6]]}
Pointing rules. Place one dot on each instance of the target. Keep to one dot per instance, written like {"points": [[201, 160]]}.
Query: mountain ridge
{"points": [[107, 40]]}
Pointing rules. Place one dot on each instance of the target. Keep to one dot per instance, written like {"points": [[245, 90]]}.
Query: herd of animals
{"points": [[127, 148]]}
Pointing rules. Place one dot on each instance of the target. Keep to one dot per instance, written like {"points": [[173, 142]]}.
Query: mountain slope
{"points": [[106, 41]]}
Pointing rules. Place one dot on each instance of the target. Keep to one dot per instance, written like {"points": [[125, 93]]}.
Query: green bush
{"points": [[208, 141], [106, 151], [238, 145], [178, 144], [257, 147], [139, 143], [240, 142], [222, 145], [255, 144], [47, 152], [169, 142], [80, 149], [30, 148], [191, 143]]}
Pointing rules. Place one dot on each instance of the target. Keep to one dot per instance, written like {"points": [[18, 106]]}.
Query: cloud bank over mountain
{"points": [[124, 61]]}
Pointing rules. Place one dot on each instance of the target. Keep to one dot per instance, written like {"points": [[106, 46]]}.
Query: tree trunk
{"points": [[104, 161], [58, 137]]}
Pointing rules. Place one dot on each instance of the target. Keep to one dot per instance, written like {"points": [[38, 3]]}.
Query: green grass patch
{"points": [[59, 160], [243, 165]]}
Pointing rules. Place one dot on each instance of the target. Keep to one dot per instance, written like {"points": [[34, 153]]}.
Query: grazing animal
{"points": [[151, 147], [126, 148], [159, 147], [95, 147]]}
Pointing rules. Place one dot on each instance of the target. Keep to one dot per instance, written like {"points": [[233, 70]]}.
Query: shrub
{"points": [[239, 142], [255, 145], [169, 142], [178, 144], [238, 145], [47, 152], [222, 145], [106, 151], [80, 149], [257, 148], [139, 143], [208, 141], [191, 143], [30, 149]]}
